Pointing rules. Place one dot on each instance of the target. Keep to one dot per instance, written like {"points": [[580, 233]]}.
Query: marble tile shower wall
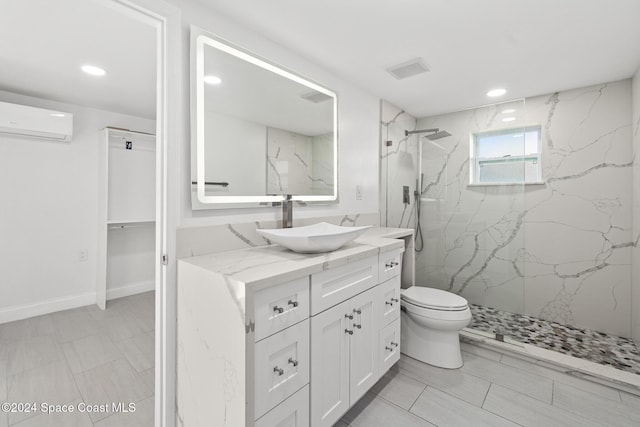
{"points": [[561, 250], [299, 164], [398, 166]]}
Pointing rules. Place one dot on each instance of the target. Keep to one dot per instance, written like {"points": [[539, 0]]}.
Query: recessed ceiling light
{"points": [[212, 80], [93, 70], [496, 92], [508, 119], [509, 111]]}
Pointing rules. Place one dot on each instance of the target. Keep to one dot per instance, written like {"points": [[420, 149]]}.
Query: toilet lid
{"points": [[433, 298]]}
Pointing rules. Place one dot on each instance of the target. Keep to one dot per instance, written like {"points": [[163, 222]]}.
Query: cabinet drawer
{"points": [[293, 412], [281, 306], [331, 287], [389, 301], [281, 366], [390, 265], [389, 346]]}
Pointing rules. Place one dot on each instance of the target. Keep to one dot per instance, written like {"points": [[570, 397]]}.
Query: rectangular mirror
{"points": [[261, 132]]}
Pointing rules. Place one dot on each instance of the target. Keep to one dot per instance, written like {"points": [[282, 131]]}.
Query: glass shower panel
{"points": [[399, 163], [470, 239]]}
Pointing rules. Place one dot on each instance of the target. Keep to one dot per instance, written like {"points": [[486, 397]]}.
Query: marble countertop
{"points": [[266, 266]]}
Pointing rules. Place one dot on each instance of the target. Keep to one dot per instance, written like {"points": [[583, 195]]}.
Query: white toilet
{"points": [[431, 320]]}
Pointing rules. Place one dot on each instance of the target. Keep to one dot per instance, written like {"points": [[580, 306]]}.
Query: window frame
{"points": [[475, 161]]}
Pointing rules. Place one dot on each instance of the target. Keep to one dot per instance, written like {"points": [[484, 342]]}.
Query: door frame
{"points": [[166, 19]]}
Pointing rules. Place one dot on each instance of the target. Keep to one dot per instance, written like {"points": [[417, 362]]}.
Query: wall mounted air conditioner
{"points": [[35, 122]]}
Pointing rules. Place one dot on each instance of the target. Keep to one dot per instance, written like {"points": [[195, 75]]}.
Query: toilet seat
{"points": [[434, 299]]}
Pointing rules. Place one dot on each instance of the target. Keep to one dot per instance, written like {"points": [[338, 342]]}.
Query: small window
{"points": [[508, 156]]}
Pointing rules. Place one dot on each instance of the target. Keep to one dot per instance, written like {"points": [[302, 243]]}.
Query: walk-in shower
{"points": [[526, 214]]}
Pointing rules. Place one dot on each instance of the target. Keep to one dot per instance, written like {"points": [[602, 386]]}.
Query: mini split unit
{"points": [[35, 122]]}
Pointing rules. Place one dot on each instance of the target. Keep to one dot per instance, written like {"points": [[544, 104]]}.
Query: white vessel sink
{"points": [[321, 237]]}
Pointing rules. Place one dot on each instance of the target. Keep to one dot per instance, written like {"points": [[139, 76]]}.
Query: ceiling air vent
{"points": [[316, 97], [408, 69]]}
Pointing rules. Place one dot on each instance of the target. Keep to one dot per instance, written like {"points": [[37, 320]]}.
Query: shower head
{"points": [[438, 135]]}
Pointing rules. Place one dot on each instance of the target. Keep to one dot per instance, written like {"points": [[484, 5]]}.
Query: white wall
{"points": [[49, 208], [635, 284], [358, 119], [247, 141]]}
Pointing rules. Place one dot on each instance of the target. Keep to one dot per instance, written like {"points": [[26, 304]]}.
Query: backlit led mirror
{"points": [[261, 132]]}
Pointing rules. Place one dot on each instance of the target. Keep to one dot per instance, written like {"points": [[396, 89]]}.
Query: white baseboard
{"points": [[125, 291], [19, 312]]}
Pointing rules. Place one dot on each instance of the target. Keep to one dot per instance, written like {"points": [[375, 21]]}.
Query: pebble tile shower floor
{"points": [[620, 353]]}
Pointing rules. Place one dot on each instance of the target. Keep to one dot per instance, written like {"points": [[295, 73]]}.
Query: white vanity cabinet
{"points": [[344, 357], [285, 343]]}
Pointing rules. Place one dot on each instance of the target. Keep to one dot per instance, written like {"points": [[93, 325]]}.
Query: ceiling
{"points": [[529, 47], [44, 43]]}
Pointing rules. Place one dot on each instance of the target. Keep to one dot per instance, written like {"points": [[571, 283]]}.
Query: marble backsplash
{"points": [[561, 250], [202, 240]]}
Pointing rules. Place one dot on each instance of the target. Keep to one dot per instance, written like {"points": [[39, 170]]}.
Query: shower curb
{"points": [[584, 369]]}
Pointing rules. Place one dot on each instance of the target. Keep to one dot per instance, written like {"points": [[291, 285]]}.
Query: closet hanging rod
{"points": [[222, 184]]}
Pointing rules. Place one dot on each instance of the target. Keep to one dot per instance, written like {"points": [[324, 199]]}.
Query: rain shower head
{"points": [[438, 135]]}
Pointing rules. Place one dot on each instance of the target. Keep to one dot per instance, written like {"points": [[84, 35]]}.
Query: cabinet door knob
{"points": [[349, 316], [293, 362], [278, 309], [279, 371], [348, 332], [293, 303]]}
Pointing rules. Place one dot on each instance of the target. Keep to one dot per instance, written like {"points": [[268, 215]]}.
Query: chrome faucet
{"points": [[287, 212]]}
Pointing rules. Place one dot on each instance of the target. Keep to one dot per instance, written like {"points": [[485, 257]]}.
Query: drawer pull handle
{"points": [[278, 309], [391, 264], [394, 299], [357, 326], [348, 332], [279, 371], [293, 303], [293, 362], [348, 316], [388, 348], [357, 311], [395, 344], [388, 303]]}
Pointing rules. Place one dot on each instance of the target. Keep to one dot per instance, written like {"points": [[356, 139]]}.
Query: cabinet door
{"points": [[330, 365], [364, 343]]}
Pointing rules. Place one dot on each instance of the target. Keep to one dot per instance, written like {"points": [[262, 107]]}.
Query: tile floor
{"points": [[605, 349], [82, 355], [491, 389]]}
